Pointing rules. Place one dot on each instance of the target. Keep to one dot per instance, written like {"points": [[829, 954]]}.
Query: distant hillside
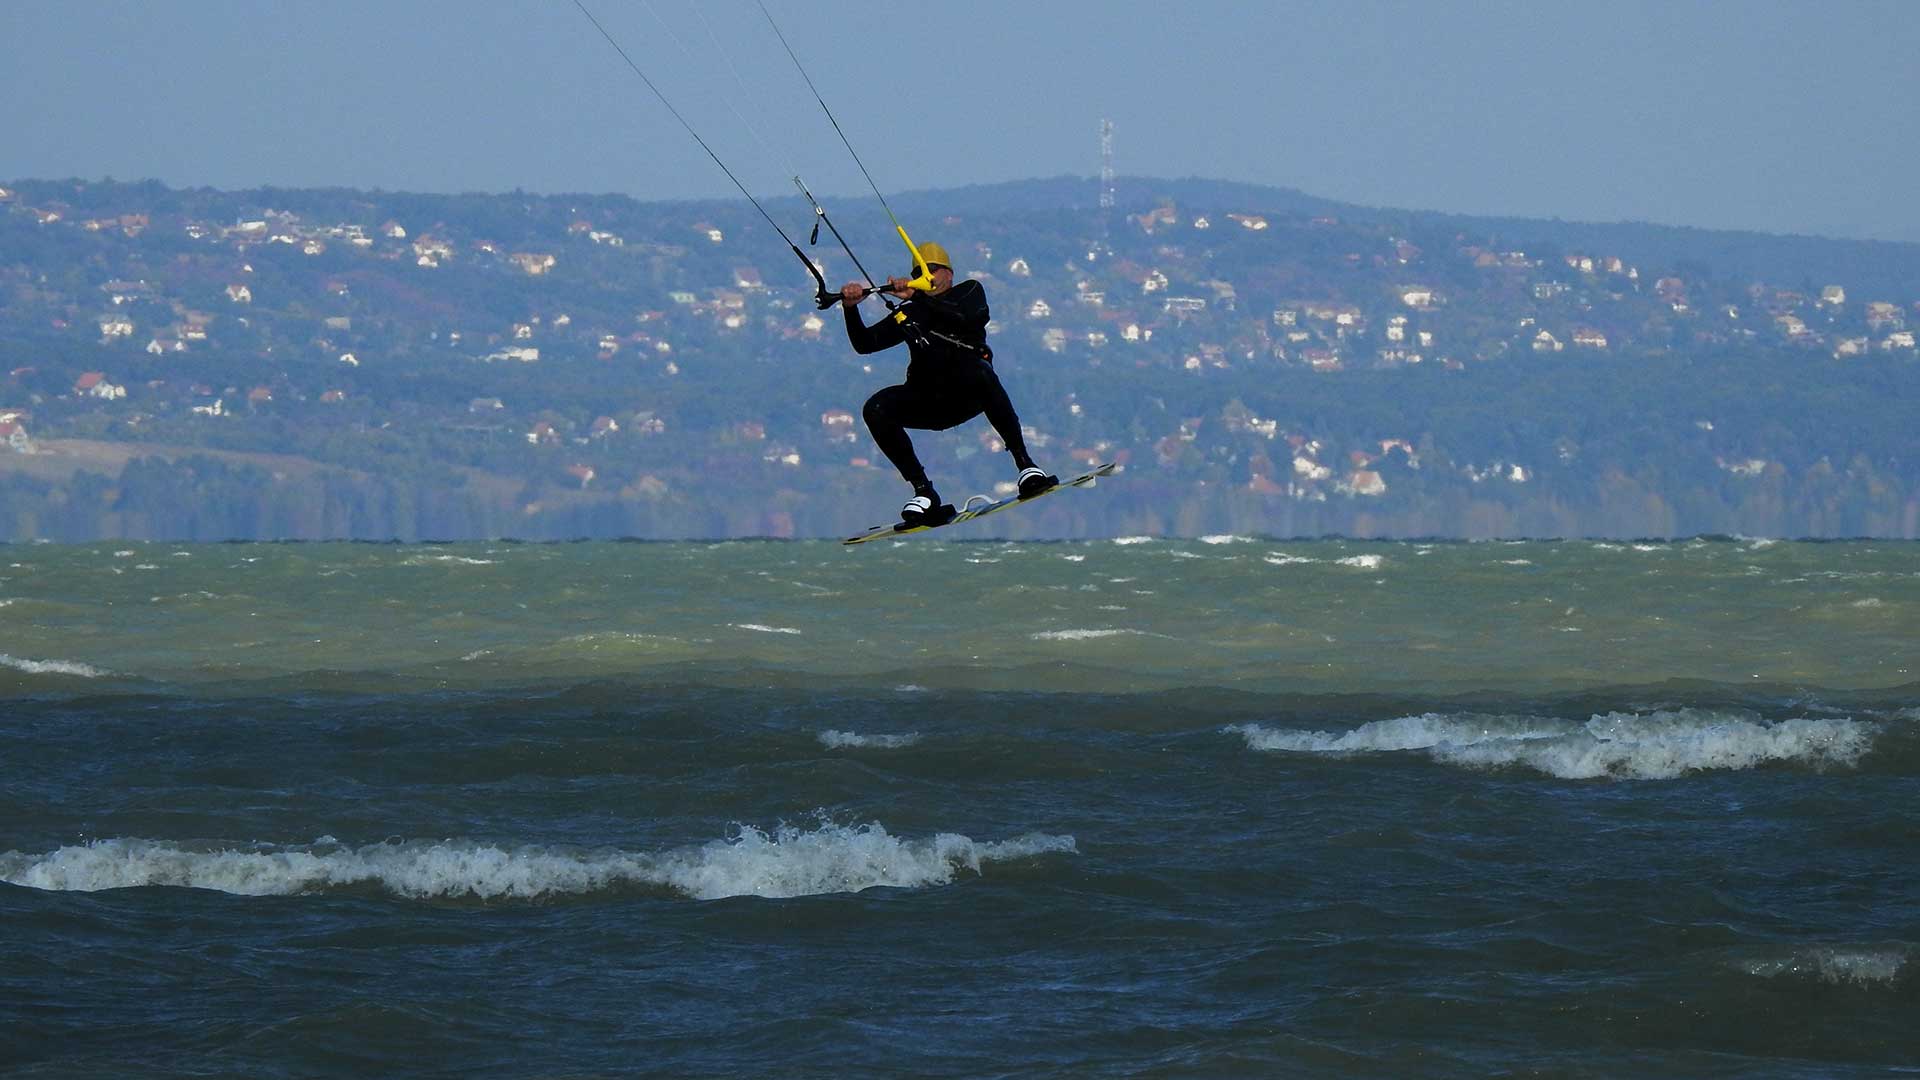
{"points": [[283, 362], [1734, 256]]}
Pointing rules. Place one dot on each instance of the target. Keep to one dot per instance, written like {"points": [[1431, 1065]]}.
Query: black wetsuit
{"points": [[950, 377]]}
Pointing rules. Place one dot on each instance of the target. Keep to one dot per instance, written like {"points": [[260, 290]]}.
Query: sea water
{"points": [[1144, 807]]}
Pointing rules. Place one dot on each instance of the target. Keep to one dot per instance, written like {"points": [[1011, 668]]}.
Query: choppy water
{"points": [[1135, 808]]}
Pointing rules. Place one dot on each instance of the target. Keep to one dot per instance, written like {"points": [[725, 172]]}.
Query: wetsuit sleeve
{"points": [[884, 334], [959, 312]]}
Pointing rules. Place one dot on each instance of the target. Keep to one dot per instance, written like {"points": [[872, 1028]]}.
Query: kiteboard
{"points": [[977, 507]]}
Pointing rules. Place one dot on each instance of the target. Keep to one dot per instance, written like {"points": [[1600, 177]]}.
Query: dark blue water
{"points": [[561, 880]]}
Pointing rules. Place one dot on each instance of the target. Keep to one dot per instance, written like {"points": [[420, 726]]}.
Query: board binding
{"points": [[974, 508]]}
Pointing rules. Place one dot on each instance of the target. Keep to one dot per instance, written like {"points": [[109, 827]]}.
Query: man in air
{"points": [[950, 378]]}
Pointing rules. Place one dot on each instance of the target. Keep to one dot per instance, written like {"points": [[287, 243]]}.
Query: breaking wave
{"points": [[52, 667], [1083, 635], [1281, 558], [849, 740], [445, 560], [1629, 746], [786, 862], [1867, 965]]}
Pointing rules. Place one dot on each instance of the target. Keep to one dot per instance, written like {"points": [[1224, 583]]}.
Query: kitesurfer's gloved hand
{"points": [[852, 293], [900, 287]]}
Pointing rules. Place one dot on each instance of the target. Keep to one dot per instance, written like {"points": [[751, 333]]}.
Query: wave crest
{"points": [[786, 862], [852, 740], [1866, 965], [51, 667], [1653, 746]]}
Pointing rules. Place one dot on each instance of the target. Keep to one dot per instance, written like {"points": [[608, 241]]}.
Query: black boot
{"points": [[1033, 481], [925, 508]]}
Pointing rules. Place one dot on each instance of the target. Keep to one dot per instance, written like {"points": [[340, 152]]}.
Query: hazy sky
{"points": [[1760, 115]]}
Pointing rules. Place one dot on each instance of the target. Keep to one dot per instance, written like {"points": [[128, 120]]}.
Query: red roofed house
{"points": [[94, 384], [1365, 482]]}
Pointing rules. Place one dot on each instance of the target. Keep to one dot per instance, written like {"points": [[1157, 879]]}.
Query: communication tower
{"points": [[1106, 164], [1106, 187]]}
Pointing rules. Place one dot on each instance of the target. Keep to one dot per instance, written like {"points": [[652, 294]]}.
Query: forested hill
{"points": [[192, 364]]}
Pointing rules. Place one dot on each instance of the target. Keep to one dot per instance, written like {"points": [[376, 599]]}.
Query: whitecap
{"points": [[1281, 558], [1080, 635], [1401, 733], [1364, 562], [783, 863], [462, 560], [1857, 965], [1653, 746], [1224, 538], [762, 629], [850, 740], [52, 667], [1870, 602], [1124, 540]]}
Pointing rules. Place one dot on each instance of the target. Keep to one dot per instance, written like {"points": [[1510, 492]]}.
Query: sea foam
{"points": [[1281, 558], [850, 740], [786, 862], [51, 667], [1857, 965], [1083, 635], [457, 560], [1653, 746]]}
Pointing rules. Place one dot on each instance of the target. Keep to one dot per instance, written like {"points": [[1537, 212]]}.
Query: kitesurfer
{"points": [[950, 377]]}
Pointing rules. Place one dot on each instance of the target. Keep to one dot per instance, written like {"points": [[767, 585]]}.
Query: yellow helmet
{"points": [[933, 255]]}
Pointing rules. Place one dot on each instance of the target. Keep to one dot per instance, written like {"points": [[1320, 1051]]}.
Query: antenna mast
{"points": [[1106, 164], [1106, 186]]}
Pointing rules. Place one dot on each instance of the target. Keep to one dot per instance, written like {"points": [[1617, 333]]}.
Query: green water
{"points": [[1148, 614]]}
